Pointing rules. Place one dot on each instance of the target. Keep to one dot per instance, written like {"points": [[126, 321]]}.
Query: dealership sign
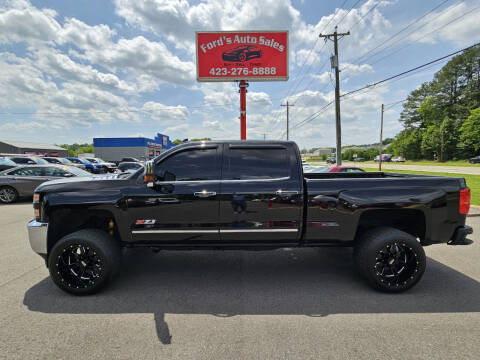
{"points": [[242, 55]]}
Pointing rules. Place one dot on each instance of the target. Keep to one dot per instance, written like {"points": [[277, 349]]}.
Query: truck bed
{"points": [[341, 204]]}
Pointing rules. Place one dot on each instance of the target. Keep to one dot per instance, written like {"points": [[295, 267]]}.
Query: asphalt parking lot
{"points": [[284, 304]]}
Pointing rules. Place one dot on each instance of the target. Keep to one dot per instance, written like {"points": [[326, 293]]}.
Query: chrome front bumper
{"points": [[37, 235]]}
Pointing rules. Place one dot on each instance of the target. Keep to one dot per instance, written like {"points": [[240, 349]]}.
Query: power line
{"points": [[348, 12], [425, 35], [363, 17], [408, 71], [298, 83], [369, 87], [359, 59], [391, 105]]}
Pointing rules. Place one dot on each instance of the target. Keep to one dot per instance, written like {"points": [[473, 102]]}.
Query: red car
{"points": [[242, 53], [343, 169]]}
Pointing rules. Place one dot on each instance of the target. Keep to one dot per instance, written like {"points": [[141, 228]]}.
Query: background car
{"points": [[28, 160], [398, 159], [6, 163], [107, 166], [358, 159], [333, 169], [130, 159], [475, 160], [385, 157], [331, 160], [242, 53], [314, 169], [63, 161], [93, 168], [129, 167], [22, 180]]}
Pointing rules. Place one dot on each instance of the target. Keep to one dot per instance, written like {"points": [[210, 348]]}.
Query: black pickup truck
{"points": [[245, 195]]}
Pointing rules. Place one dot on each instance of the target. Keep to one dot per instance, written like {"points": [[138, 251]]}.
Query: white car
{"points": [[398, 159]]}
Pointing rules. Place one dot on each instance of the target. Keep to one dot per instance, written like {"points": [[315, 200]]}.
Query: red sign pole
{"points": [[243, 109]]}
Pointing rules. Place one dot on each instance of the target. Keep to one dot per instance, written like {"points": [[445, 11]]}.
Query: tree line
{"points": [[441, 119]]}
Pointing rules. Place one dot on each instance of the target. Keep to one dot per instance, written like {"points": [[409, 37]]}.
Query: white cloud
{"points": [[347, 71], [177, 20], [143, 56], [27, 23], [84, 36], [448, 24], [167, 116]]}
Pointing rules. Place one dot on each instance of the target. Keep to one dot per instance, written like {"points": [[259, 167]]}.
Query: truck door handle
{"points": [[325, 199], [204, 194], [285, 193]]}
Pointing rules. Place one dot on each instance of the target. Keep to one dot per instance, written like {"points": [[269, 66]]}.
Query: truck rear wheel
{"points": [[389, 259], [85, 261]]}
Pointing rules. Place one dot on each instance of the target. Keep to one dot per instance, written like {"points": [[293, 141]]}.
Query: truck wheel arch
{"points": [[411, 221], [65, 221]]}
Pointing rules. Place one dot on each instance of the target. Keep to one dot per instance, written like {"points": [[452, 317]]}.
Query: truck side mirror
{"points": [[149, 175]]}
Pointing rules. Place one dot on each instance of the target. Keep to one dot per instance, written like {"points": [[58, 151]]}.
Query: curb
{"points": [[476, 213]]}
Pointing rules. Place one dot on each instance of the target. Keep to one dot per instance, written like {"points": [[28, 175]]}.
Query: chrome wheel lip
{"points": [[7, 195]]}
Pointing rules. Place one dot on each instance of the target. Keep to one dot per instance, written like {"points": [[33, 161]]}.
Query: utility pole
{"points": [[288, 106], [264, 136], [381, 140], [334, 64]]}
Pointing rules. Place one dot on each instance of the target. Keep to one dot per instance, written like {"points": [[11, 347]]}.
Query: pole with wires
{"points": [[380, 150], [288, 106], [334, 63]]}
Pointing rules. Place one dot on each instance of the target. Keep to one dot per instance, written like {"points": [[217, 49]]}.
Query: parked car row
{"points": [[21, 180], [20, 175]]}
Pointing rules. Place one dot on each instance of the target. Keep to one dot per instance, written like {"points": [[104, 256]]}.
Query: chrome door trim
{"points": [[186, 231], [258, 230]]}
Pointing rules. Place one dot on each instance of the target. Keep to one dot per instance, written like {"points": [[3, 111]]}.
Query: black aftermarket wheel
{"points": [[391, 260], [85, 261]]}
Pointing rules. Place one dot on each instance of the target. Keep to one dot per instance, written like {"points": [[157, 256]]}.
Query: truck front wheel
{"points": [[85, 261], [389, 259]]}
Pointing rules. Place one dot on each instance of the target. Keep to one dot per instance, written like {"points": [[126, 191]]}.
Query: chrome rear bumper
{"points": [[37, 235]]}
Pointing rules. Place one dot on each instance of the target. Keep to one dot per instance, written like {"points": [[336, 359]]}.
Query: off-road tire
{"points": [[389, 259], [92, 251]]}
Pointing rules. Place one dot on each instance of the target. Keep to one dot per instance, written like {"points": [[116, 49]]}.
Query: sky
{"points": [[74, 70]]}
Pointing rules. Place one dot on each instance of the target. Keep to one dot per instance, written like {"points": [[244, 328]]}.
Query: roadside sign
{"points": [[242, 55]]}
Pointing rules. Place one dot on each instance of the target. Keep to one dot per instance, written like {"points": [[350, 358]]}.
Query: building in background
{"points": [[31, 148], [321, 151], [114, 149]]}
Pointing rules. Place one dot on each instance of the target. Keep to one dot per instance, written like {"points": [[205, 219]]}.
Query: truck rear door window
{"points": [[189, 165], [257, 163]]}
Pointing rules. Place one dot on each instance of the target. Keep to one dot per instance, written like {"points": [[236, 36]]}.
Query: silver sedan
{"points": [[23, 180]]}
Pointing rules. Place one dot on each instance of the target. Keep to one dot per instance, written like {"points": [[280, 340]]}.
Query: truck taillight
{"points": [[464, 203]]}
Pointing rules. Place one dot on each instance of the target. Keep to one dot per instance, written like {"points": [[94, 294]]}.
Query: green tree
{"points": [[408, 144], [470, 134]]}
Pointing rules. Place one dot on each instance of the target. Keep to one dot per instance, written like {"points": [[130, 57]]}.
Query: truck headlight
{"points": [[37, 205]]}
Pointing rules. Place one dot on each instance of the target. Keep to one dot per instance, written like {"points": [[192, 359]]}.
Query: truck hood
{"points": [[86, 182]]}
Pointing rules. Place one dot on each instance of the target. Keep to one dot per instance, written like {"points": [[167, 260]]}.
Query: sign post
{"points": [[242, 56], [243, 109]]}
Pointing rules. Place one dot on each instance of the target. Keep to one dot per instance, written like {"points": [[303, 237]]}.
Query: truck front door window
{"points": [[189, 165]]}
